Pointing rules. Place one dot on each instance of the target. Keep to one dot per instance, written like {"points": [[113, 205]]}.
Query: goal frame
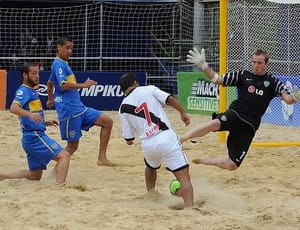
{"points": [[223, 90]]}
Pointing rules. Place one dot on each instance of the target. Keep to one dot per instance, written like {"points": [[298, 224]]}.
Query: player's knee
{"points": [[232, 166], [71, 148], [63, 156], [110, 123], [34, 176]]}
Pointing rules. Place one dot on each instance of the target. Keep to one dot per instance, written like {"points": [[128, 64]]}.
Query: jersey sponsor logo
{"points": [[223, 118], [266, 83], [19, 93], [252, 89], [102, 90], [58, 99], [72, 133], [248, 79]]}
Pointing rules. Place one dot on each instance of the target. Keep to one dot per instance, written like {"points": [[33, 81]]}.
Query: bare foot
{"points": [[204, 161], [105, 162]]}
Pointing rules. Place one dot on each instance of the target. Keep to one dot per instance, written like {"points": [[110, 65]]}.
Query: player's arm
{"points": [[172, 101], [198, 59], [50, 101], [65, 85], [291, 98], [17, 109]]}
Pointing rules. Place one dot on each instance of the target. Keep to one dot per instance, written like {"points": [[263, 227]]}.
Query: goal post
{"points": [[273, 26]]}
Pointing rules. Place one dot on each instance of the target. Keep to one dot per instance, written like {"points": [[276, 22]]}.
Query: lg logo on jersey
{"points": [[252, 89]]}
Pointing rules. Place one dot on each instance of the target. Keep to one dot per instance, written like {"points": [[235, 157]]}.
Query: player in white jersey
{"points": [[141, 112]]}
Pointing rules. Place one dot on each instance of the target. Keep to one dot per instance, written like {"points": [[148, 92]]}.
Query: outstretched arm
{"points": [[69, 86], [198, 59], [172, 101]]}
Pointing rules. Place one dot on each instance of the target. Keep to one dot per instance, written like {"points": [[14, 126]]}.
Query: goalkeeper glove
{"points": [[197, 58], [296, 93]]}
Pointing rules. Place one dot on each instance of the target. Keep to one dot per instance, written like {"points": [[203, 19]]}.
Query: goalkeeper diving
{"points": [[255, 90]]}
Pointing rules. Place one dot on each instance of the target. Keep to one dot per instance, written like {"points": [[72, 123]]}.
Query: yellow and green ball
{"points": [[174, 186]]}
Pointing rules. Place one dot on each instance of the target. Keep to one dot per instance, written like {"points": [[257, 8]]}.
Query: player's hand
{"points": [[50, 103], [296, 93], [52, 123], [89, 82], [36, 117], [186, 119], [197, 58]]}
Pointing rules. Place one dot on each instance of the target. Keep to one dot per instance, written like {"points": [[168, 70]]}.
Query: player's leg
{"points": [[238, 142], [150, 178], [223, 163], [106, 124], [177, 163], [40, 151], [94, 117], [201, 130], [62, 166], [70, 131], [186, 188], [72, 146], [30, 175]]}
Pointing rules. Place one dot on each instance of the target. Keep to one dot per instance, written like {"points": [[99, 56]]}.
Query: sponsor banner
{"points": [[106, 95], [279, 112], [197, 94]]}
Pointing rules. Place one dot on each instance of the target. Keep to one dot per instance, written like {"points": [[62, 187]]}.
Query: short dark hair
{"points": [[127, 80], [63, 39], [26, 66], [263, 52]]}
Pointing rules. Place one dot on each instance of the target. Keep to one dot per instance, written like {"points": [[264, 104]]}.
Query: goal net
{"points": [[255, 24], [108, 36]]}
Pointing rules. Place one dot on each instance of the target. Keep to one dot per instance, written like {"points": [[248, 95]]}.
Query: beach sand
{"points": [[264, 193]]}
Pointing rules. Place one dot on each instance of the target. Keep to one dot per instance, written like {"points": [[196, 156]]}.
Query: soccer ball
{"points": [[174, 186]]}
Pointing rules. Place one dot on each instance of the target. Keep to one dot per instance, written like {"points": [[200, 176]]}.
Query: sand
{"points": [[264, 193]]}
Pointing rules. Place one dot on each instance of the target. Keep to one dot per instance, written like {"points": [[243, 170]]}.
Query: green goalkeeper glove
{"points": [[296, 93], [197, 58]]}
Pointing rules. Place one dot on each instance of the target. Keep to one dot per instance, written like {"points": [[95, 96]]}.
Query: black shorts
{"points": [[241, 134]]}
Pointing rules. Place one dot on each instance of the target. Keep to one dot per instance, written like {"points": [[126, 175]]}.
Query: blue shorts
{"points": [[40, 149], [70, 129]]}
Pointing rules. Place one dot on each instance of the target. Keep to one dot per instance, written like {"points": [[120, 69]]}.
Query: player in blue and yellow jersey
{"points": [[39, 148], [73, 115]]}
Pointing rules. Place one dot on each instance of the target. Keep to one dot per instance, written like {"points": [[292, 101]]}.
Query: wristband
{"points": [[215, 78], [204, 66]]}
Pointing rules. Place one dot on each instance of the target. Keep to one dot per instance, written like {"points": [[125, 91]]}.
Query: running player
{"points": [[141, 111], [255, 91]]}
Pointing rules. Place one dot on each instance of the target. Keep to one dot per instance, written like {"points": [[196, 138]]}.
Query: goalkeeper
{"points": [[255, 91]]}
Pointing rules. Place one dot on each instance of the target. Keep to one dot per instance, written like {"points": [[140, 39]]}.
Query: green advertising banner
{"points": [[197, 94]]}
